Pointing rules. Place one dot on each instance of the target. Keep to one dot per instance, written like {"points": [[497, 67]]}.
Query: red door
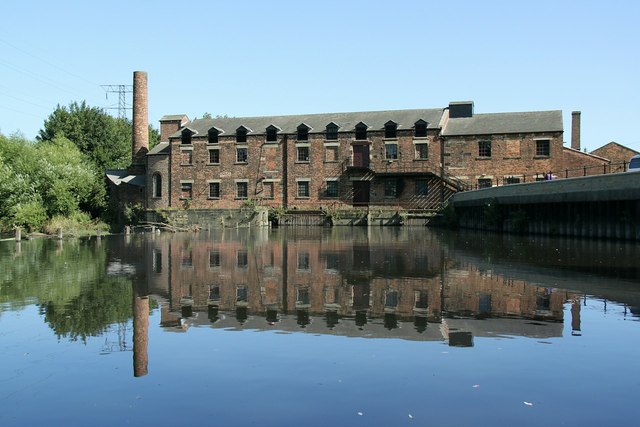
{"points": [[361, 156]]}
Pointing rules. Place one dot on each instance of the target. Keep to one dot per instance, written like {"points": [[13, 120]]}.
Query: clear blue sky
{"points": [[254, 58]]}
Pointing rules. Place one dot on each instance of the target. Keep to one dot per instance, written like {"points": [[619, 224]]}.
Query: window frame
{"points": [[305, 186], [543, 147], [361, 132], [391, 130], [395, 154], [245, 150], [484, 147], [300, 150], [331, 132], [212, 185], [245, 190], [211, 150]]}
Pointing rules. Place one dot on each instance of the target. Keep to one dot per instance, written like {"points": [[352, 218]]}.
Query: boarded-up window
{"points": [[513, 149]]}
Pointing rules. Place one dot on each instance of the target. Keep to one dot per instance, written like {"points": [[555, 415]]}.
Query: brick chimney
{"points": [[170, 125], [575, 130], [140, 144]]}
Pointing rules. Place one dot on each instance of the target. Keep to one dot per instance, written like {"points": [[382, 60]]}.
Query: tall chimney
{"points": [[140, 145], [575, 130]]}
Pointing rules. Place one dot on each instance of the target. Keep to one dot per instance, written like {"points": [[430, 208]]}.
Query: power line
{"points": [[121, 90]]}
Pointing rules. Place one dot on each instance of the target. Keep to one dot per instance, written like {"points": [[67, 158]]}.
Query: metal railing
{"points": [[521, 178]]}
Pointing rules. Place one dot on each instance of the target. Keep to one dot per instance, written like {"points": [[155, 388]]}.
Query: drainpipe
{"points": [[442, 170], [285, 172]]}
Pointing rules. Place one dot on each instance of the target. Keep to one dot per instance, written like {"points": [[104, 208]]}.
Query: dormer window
{"points": [[213, 136], [241, 134], [272, 134], [332, 132], [390, 130], [303, 132], [186, 136], [420, 128], [361, 131]]}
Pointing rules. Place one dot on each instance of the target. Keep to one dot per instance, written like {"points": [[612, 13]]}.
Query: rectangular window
{"points": [[332, 133], [543, 147], [484, 148], [186, 190], [303, 189], [242, 155], [214, 157], [272, 134], [267, 190], [186, 157], [187, 259], [214, 292], [484, 183], [157, 261], [391, 151], [242, 190], [242, 259], [214, 190], [391, 188], [420, 130], [331, 154], [391, 299], [422, 151], [214, 259], [302, 296], [303, 134], [303, 154], [242, 293], [332, 261], [391, 131], [303, 261], [422, 187], [332, 189], [422, 299]]}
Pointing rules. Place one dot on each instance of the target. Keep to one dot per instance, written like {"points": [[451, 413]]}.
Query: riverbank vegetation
{"points": [[57, 181]]}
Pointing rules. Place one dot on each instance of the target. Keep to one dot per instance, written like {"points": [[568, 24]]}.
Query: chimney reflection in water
{"points": [[140, 329]]}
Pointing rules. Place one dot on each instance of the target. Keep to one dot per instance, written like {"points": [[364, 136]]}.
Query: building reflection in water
{"points": [[368, 284]]}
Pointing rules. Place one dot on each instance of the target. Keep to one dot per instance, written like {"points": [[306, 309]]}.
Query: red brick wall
{"points": [[511, 155]]}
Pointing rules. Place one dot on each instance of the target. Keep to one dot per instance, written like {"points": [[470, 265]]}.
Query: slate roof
{"points": [[161, 148], [497, 123], [121, 176], [375, 120], [173, 117]]}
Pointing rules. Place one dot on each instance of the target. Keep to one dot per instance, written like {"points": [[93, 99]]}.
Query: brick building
{"points": [[405, 158]]}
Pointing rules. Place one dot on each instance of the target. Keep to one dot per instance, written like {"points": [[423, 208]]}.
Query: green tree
{"points": [[42, 180], [106, 140]]}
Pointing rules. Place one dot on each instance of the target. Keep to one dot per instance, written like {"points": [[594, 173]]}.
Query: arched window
{"points": [[157, 185]]}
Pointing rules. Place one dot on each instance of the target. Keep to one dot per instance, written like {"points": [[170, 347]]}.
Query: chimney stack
{"points": [[575, 130], [140, 145]]}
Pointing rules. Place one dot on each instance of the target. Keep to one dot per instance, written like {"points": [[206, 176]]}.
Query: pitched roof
{"points": [[173, 117], [161, 148], [318, 122], [613, 144], [496, 123]]}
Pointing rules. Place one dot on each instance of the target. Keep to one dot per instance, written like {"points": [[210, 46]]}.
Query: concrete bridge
{"points": [[602, 206]]}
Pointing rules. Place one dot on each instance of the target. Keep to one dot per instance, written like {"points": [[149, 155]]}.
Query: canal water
{"points": [[319, 327]]}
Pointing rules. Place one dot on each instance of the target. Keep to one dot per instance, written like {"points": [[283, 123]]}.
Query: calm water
{"points": [[343, 326]]}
